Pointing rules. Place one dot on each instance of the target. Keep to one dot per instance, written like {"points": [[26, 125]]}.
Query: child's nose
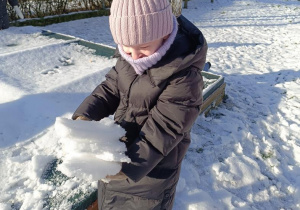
{"points": [[136, 54]]}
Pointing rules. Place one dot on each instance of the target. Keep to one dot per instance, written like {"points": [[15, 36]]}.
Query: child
{"points": [[155, 94]]}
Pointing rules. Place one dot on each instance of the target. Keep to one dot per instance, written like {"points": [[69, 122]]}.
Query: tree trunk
{"points": [[176, 7], [185, 4]]}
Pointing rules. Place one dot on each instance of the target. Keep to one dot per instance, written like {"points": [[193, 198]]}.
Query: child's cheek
{"points": [[148, 52]]}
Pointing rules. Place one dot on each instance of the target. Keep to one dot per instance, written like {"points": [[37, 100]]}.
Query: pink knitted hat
{"points": [[134, 22]]}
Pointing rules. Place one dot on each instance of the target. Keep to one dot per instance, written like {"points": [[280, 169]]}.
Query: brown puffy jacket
{"points": [[157, 109]]}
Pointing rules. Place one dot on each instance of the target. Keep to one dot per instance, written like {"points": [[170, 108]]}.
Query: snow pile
{"points": [[91, 150]]}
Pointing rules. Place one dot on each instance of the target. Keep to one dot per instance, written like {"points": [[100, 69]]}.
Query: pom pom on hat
{"points": [[134, 22]]}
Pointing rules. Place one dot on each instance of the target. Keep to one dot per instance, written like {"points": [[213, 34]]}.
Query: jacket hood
{"points": [[189, 49]]}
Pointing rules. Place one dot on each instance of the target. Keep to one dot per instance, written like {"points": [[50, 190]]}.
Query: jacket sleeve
{"points": [[13, 2], [103, 101], [168, 122]]}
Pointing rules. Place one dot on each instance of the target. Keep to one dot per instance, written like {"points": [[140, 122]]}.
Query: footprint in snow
{"points": [[51, 71], [66, 61], [12, 45]]}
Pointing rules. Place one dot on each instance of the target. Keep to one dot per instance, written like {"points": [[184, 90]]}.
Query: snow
{"points": [[244, 155], [91, 150]]}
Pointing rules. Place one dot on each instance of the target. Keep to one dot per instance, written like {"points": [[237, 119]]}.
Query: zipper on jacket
{"points": [[150, 78], [127, 99]]}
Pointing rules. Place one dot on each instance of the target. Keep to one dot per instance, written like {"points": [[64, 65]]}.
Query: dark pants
{"points": [[4, 22], [148, 194]]}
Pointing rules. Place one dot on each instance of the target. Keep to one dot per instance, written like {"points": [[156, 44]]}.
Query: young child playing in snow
{"points": [[155, 94]]}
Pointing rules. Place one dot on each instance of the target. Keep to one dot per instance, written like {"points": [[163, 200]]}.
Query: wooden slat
{"points": [[214, 99]]}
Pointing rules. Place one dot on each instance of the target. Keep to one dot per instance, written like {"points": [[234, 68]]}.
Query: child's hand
{"points": [[118, 176], [83, 118]]}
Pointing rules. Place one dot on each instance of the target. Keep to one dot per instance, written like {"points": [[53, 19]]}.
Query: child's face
{"points": [[143, 50]]}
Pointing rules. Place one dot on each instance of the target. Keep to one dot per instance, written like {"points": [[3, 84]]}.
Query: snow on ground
{"points": [[244, 155]]}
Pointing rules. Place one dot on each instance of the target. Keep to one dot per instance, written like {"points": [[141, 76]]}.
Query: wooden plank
{"points": [[214, 99]]}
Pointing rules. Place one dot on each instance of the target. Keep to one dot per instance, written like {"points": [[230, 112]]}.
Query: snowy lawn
{"points": [[244, 155]]}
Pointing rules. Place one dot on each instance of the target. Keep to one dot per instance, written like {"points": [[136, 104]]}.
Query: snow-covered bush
{"points": [[43, 8]]}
